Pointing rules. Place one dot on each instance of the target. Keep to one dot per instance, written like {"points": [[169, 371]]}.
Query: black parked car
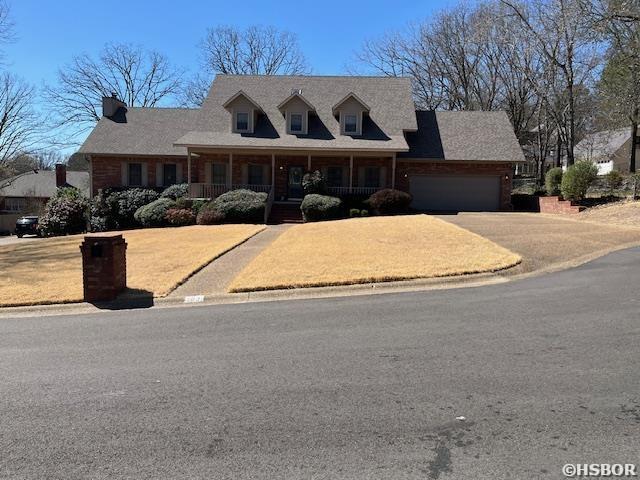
{"points": [[27, 225]]}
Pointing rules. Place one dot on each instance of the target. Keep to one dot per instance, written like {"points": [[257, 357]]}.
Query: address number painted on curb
{"points": [[194, 299]]}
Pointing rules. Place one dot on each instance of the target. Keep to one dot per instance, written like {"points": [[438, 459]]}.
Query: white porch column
{"points": [[189, 171], [350, 174], [393, 171], [230, 176], [273, 172], [308, 163]]}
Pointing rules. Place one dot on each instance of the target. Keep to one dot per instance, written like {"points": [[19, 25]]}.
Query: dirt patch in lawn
{"points": [[158, 260], [367, 250], [618, 213]]}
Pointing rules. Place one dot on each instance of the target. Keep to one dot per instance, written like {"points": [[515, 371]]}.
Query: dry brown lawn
{"points": [[367, 250], [158, 260], [620, 213]]}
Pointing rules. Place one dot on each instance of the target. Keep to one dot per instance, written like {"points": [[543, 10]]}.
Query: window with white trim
{"points": [[334, 176], [255, 176], [15, 204], [135, 174], [219, 173], [372, 177], [242, 121], [350, 123], [295, 123]]}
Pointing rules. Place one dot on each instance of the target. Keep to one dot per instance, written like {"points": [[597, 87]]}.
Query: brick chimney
{"points": [[111, 105], [61, 175]]}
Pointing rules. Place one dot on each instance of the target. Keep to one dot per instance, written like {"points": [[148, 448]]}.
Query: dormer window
{"points": [[350, 123], [349, 111], [296, 109], [295, 123], [244, 112], [242, 121]]}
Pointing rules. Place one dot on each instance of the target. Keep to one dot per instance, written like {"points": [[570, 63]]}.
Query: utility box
{"points": [[104, 266]]}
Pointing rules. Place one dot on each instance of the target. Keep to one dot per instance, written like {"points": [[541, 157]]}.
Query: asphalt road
{"points": [[546, 371]]}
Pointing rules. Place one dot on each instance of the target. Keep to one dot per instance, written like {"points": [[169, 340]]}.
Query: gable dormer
{"points": [[350, 112], [296, 109], [244, 112]]}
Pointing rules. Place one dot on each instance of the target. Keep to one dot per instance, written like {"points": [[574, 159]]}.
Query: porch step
{"points": [[285, 213]]}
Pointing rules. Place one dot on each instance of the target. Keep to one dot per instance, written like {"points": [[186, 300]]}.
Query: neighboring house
{"points": [[265, 132], [29, 192], [609, 150]]}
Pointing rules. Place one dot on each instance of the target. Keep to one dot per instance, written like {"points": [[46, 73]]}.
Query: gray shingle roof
{"points": [[601, 145], [142, 131], [464, 136], [42, 184], [390, 101]]}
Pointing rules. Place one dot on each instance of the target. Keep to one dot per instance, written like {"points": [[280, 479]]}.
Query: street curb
{"points": [[427, 284]]}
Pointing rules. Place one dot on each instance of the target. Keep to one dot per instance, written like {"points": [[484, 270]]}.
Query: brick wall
{"points": [[107, 171], [557, 206], [404, 170]]}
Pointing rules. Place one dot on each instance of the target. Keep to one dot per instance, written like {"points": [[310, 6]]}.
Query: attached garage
{"points": [[473, 193]]}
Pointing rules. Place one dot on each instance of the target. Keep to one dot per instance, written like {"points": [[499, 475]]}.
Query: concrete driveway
{"points": [[11, 239], [546, 241]]}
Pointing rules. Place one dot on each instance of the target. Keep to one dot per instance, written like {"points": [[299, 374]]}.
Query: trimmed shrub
{"points": [[613, 180], [65, 214], [576, 180], [114, 210], [154, 214], [196, 205], [242, 206], [354, 212], [180, 217], [209, 215], [316, 208], [175, 192], [314, 182], [364, 213], [553, 180], [389, 201]]}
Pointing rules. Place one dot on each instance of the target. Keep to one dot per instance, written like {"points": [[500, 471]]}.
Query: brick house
{"points": [[265, 132]]}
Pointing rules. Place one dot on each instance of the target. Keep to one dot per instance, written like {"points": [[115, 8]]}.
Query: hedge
{"points": [[316, 208]]}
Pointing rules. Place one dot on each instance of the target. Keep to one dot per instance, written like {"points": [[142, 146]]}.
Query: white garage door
{"points": [[473, 193]]}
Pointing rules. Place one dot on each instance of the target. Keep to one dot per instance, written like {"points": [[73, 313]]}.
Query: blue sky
{"points": [[49, 33]]}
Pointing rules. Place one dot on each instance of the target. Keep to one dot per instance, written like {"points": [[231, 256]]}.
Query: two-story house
{"points": [[265, 132]]}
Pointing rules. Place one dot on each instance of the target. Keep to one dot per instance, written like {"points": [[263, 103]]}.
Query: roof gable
{"points": [[353, 98], [295, 96], [238, 97]]}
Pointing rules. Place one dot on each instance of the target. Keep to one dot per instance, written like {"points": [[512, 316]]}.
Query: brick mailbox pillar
{"points": [[104, 266]]}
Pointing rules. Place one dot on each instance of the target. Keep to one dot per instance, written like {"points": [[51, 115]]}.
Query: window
{"points": [[15, 204], [372, 177], [334, 176], [219, 174], [350, 123], [255, 175], [169, 175], [242, 121], [135, 174], [295, 123]]}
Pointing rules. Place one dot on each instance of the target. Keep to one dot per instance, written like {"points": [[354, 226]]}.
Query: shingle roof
{"points": [[464, 136], [602, 144], [142, 131], [42, 184], [390, 101]]}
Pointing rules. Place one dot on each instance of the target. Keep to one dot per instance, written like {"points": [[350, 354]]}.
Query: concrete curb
{"points": [[427, 284]]}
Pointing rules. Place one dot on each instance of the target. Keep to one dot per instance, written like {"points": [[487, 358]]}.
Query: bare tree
{"points": [[139, 78], [20, 127], [256, 50], [563, 37]]}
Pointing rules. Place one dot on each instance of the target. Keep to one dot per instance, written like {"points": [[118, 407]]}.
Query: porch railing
{"points": [[353, 190], [212, 190]]}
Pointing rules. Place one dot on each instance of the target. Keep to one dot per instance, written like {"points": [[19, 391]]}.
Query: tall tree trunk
{"points": [[559, 152], [634, 144]]}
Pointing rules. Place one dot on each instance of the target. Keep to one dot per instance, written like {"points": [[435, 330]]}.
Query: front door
{"points": [[294, 189]]}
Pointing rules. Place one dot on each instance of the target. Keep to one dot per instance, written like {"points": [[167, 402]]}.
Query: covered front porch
{"points": [[213, 172]]}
